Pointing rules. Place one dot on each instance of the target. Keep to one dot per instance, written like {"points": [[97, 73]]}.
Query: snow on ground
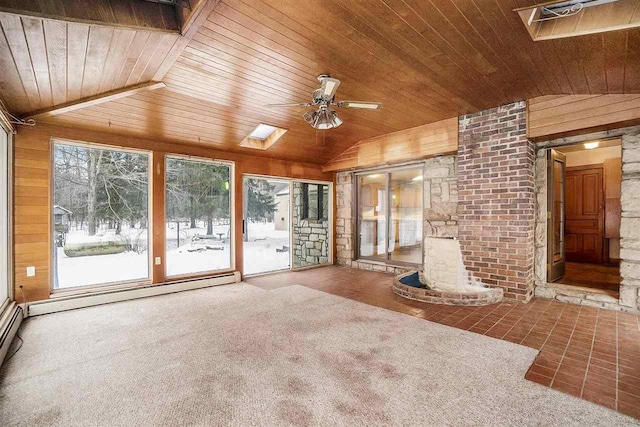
{"points": [[260, 255], [99, 269], [195, 254]]}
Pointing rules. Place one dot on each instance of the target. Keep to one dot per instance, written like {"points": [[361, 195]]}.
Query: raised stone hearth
{"points": [[445, 279], [434, 296]]}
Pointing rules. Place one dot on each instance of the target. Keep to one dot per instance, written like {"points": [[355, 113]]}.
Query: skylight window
{"points": [[570, 18], [263, 137], [262, 132]]}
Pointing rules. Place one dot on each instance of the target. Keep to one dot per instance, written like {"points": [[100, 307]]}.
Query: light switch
{"points": [[158, 260], [31, 271]]}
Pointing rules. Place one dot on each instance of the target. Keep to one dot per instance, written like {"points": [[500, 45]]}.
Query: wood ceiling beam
{"points": [[95, 100], [138, 15], [190, 29]]}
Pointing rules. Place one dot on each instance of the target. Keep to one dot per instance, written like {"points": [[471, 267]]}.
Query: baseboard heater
{"points": [[79, 301], [9, 324]]}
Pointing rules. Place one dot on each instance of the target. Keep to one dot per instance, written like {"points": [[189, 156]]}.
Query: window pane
{"points": [[372, 198], [4, 215], [198, 231], [267, 207], [405, 239], [325, 201], [313, 200], [100, 216]]}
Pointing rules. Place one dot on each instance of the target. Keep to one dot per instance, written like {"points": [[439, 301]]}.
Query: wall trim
{"points": [[80, 301], [9, 324]]}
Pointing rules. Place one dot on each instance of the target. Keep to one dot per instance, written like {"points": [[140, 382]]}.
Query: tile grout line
{"points": [[490, 313], [575, 325], [550, 332], [593, 342], [522, 317]]}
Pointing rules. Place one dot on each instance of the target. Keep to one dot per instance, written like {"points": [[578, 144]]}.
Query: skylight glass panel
{"points": [[262, 132]]}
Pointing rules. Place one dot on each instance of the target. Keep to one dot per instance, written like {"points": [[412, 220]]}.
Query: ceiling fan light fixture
{"points": [[322, 119]]}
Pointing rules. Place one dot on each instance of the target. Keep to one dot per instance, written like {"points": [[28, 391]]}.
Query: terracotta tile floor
{"points": [[587, 352]]}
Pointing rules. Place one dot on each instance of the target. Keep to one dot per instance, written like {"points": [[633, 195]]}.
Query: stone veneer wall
{"points": [[629, 299], [310, 237], [496, 201], [630, 221], [440, 211]]}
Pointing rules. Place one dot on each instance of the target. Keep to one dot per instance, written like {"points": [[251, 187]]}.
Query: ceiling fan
{"points": [[325, 117]]}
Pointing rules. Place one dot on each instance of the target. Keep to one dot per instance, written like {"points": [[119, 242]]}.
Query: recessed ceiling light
{"points": [[262, 132], [591, 145], [417, 178]]}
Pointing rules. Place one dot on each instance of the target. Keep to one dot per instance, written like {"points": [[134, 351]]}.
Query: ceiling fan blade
{"points": [[329, 87], [305, 104], [360, 104]]}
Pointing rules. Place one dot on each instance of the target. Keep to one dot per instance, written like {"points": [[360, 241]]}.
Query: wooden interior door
{"points": [[584, 214], [556, 165]]}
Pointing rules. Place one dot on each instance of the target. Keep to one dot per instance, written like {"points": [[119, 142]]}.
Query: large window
{"points": [[100, 216], [4, 217], [390, 216], [198, 231]]}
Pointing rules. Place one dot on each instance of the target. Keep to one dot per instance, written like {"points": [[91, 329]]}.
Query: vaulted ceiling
{"points": [[425, 60]]}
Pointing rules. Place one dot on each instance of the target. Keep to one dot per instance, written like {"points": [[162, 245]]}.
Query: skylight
{"points": [[263, 137], [571, 18], [262, 132]]}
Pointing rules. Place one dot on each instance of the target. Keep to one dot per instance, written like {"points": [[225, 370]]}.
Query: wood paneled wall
{"points": [[410, 144], [32, 195], [566, 115]]}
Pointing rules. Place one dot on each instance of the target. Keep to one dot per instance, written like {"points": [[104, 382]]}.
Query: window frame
{"points": [[52, 263], [232, 218], [9, 220], [356, 207], [319, 201]]}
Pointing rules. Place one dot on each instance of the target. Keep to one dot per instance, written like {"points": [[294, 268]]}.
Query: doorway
{"points": [[583, 215], [286, 224], [266, 225]]}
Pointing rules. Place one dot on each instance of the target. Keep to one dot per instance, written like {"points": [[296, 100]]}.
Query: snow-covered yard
{"points": [[266, 250]]}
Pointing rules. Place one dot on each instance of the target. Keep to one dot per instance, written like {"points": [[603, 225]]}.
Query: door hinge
{"points": [[548, 214]]}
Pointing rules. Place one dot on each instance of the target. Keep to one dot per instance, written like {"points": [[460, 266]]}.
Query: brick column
{"points": [[496, 201]]}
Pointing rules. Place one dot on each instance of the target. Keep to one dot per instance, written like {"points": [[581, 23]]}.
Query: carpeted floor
{"points": [[240, 355]]}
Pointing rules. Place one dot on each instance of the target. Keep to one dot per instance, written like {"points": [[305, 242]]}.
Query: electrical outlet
{"points": [[158, 260], [31, 271]]}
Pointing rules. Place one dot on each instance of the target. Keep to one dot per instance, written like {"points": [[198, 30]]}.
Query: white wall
{"points": [[592, 157]]}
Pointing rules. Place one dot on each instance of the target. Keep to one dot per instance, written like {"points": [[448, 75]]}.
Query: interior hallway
{"points": [[584, 351]]}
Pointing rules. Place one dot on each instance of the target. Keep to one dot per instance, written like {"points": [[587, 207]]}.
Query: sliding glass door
{"points": [[266, 225], [390, 206]]}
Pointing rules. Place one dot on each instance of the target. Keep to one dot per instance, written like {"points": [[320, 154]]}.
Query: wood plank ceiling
{"points": [[425, 60], [50, 62]]}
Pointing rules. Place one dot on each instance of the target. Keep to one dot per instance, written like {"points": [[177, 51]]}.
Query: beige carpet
{"points": [[239, 355]]}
